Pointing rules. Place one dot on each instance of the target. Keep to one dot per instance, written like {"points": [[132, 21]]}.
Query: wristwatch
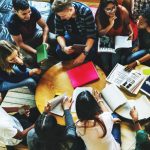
{"points": [[85, 52]]}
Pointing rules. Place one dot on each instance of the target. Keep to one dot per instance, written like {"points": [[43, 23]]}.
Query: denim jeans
{"points": [[29, 82], [74, 39]]}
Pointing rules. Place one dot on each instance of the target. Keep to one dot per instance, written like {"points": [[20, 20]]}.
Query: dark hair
{"points": [[146, 15], [87, 109], [145, 145], [20, 4], [147, 127], [104, 19], [60, 5]]}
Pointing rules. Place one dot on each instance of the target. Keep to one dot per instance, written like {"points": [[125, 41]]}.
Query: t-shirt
{"points": [[26, 28], [92, 136], [144, 39], [8, 128], [141, 137]]}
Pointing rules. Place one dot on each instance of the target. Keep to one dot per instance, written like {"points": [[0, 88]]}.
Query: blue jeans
{"points": [[74, 39], [29, 82]]}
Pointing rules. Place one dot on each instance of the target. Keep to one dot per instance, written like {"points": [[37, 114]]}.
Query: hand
{"points": [[112, 20], [67, 102], [135, 49], [47, 45], [18, 61], [68, 50], [134, 114], [130, 36], [35, 71], [97, 95], [116, 120], [80, 59], [47, 108], [24, 110], [131, 66]]}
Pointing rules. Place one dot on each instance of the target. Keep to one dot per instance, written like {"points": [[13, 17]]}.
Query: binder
{"points": [[42, 53], [83, 74]]}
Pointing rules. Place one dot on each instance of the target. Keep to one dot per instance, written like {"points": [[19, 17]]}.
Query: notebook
{"points": [[83, 74], [41, 53]]}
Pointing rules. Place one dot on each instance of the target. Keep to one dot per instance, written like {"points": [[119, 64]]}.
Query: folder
{"points": [[83, 74], [41, 53]]}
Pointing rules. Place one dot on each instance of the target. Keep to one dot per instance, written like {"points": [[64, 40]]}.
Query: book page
{"points": [[106, 44], [56, 105], [113, 96], [117, 75], [122, 42], [76, 92]]}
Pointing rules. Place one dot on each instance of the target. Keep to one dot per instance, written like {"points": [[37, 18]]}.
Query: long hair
{"points": [[88, 109], [103, 17], [6, 49], [51, 135]]}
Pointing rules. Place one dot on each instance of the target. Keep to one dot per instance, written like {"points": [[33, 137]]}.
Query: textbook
{"points": [[111, 44], [41, 53], [146, 87], [130, 81], [83, 74], [56, 106], [76, 92], [78, 48], [115, 101]]}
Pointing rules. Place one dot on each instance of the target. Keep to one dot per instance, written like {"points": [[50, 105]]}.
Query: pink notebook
{"points": [[83, 74]]}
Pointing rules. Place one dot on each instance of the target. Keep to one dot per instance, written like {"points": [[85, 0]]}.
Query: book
{"points": [[111, 44], [83, 74], [78, 48], [130, 81], [76, 92], [146, 87], [56, 106], [115, 101], [42, 53]]}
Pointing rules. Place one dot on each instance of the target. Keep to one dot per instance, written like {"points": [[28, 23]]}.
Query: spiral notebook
{"points": [[83, 74]]}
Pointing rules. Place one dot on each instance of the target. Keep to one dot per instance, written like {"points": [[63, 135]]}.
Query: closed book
{"points": [[41, 53], [83, 74]]}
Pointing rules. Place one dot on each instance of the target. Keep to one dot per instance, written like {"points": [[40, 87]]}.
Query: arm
{"points": [[19, 41], [11, 109], [44, 26]]}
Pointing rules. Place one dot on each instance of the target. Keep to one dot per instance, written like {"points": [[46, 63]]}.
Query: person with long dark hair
{"points": [[113, 20], [95, 123]]}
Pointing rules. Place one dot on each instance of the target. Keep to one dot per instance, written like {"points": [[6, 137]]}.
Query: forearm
{"points": [[104, 31], [137, 126], [144, 58], [70, 127], [89, 44], [130, 29], [61, 41], [11, 109], [45, 34], [102, 105]]}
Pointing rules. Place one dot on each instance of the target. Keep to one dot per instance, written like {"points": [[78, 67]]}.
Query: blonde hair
{"points": [[6, 49]]}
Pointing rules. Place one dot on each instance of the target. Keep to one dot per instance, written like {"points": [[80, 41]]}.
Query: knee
{"points": [[31, 82]]}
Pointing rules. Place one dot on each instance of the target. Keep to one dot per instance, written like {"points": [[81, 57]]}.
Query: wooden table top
{"points": [[55, 80]]}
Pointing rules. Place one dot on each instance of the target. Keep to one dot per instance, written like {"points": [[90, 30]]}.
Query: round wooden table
{"points": [[55, 80]]}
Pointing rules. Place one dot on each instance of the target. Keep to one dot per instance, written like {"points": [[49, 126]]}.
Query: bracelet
{"points": [[138, 62]]}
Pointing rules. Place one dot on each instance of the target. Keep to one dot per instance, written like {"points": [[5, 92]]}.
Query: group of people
{"points": [[96, 128]]}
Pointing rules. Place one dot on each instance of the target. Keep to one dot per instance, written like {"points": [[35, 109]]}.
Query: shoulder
{"points": [[123, 10], [13, 19], [141, 136], [34, 10]]}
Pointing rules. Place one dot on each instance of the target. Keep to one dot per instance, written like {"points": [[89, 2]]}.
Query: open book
{"points": [[111, 44], [56, 105], [115, 100], [76, 92], [42, 53], [130, 81]]}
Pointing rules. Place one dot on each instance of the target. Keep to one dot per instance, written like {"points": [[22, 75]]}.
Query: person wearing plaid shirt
{"points": [[74, 24]]}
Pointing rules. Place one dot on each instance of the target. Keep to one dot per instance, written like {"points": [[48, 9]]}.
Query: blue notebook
{"points": [[146, 87]]}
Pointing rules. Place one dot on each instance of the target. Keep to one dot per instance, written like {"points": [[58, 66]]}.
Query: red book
{"points": [[83, 74]]}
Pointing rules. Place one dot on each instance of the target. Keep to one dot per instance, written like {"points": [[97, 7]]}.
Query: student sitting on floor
{"points": [[48, 135], [96, 125], [142, 136], [74, 25], [13, 129], [13, 72], [143, 53]]}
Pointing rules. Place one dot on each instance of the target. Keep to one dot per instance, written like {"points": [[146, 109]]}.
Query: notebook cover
{"points": [[83, 74], [41, 53]]}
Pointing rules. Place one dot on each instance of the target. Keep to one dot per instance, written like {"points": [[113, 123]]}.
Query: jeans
{"points": [[74, 39], [29, 82]]}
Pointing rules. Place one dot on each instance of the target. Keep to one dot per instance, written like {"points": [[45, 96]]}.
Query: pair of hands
{"points": [[34, 71], [66, 103], [79, 60]]}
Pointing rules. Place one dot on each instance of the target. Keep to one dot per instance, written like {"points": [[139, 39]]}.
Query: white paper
{"points": [[76, 92]]}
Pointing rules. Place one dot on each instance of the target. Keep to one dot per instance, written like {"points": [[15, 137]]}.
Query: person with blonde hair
{"points": [[13, 72]]}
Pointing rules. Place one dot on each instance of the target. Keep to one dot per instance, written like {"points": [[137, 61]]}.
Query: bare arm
{"points": [[44, 26], [11, 109], [19, 41], [61, 41]]}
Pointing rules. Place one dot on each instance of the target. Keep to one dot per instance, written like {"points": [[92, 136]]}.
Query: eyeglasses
{"points": [[110, 10]]}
